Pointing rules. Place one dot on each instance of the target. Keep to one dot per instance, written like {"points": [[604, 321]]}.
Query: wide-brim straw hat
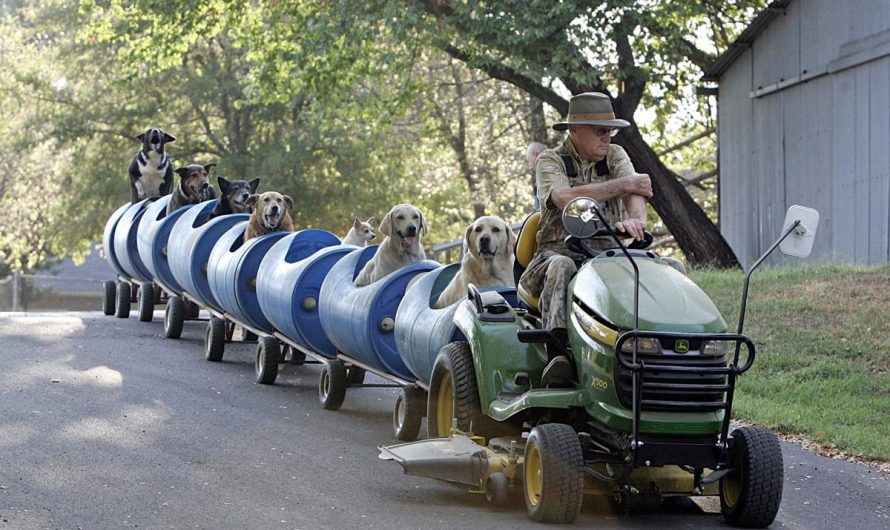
{"points": [[591, 108]]}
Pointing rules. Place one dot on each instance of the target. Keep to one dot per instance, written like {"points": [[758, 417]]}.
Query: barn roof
{"points": [[744, 41]]}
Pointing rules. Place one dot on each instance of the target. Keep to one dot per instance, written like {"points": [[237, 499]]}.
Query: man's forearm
{"points": [[599, 191], [636, 207]]}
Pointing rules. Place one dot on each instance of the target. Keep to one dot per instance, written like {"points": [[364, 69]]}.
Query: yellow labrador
{"points": [[402, 228], [271, 213], [487, 261]]}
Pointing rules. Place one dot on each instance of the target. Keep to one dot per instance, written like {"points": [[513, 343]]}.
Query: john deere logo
{"points": [[681, 346]]}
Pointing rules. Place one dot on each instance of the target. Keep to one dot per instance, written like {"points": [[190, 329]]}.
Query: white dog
{"points": [[402, 227], [487, 261], [360, 233]]}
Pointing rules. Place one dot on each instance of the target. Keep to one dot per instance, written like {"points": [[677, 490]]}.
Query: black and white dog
{"points": [[151, 172], [233, 196]]}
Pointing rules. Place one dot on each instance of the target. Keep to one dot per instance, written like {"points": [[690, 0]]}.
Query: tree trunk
{"points": [[695, 233]]}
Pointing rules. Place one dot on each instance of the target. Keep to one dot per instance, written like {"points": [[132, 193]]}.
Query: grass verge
{"points": [[822, 335]]}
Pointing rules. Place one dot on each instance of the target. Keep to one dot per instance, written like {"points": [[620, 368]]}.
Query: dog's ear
{"points": [[511, 239], [469, 241], [223, 184], [252, 200], [208, 167], [140, 137], [169, 138], [182, 171], [289, 202], [386, 224], [254, 184], [357, 223], [423, 226], [370, 221]]}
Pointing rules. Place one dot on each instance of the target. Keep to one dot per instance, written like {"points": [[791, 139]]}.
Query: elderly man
{"points": [[585, 165]]}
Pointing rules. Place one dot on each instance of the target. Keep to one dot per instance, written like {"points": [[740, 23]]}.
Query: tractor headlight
{"points": [[644, 345], [715, 347]]}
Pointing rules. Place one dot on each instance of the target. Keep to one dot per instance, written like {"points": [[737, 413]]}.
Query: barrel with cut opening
{"points": [[289, 281], [108, 240], [125, 248]]}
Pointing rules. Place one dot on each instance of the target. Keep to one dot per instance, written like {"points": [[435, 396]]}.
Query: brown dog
{"points": [[487, 261], [194, 186], [271, 213], [403, 227]]}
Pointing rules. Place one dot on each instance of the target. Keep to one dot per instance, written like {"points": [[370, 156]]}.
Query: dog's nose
{"points": [[411, 231], [205, 185], [274, 209], [244, 196], [484, 242]]}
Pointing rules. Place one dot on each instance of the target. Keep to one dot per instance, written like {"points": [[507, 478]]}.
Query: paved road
{"points": [[105, 424]]}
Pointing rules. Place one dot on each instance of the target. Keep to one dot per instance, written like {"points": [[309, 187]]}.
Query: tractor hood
{"points": [[669, 301]]}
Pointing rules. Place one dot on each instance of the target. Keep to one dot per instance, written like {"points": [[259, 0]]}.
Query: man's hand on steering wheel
{"points": [[632, 228]]}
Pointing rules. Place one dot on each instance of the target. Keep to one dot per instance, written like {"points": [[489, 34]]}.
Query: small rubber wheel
{"points": [[249, 336], [122, 304], [497, 489], [174, 314], [215, 339], [146, 302], [332, 385], [553, 476], [192, 311], [355, 376], [109, 297], [407, 415], [268, 355], [295, 356], [750, 495]]}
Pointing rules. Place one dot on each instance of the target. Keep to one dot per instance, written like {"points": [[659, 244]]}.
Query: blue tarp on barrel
{"points": [[159, 234], [149, 223], [108, 240], [232, 274], [360, 320], [125, 249], [421, 330], [288, 283], [189, 245]]}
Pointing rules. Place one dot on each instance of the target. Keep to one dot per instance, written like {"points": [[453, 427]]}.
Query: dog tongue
{"points": [[410, 240]]}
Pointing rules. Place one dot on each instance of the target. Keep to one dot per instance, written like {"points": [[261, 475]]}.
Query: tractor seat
{"points": [[524, 251]]}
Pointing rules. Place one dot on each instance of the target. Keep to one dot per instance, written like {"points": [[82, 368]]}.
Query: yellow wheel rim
{"points": [[732, 483], [445, 406], [533, 474]]}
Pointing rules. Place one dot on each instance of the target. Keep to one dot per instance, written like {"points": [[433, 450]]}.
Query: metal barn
{"points": [[804, 118]]}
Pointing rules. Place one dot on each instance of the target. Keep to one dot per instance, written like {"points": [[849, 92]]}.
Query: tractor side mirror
{"points": [[799, 242], [580, 217]]}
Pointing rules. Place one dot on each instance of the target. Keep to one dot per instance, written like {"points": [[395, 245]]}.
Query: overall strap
{"points": [[601, 168]]}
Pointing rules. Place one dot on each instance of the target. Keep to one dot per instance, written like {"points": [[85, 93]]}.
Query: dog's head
{"points": [[270, 208], [405, 224], [237, 192], [194, 182], [489, 237], [364, 229], [154, 140]]}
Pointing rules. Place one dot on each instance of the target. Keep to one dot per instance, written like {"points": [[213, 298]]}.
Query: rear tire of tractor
{"points": [[122, 304], [268, 355], [109, 297], [215, 339], [146, 302], [454, 394], [553, 475], [173, 317], [407, 415], [750, 496], [332, 385]]}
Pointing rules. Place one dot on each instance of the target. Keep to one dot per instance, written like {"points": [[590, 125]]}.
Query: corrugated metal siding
{"points": [[823, 143]]}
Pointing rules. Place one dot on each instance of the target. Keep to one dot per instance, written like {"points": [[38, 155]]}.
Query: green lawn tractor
{"points": [[644, 413]]}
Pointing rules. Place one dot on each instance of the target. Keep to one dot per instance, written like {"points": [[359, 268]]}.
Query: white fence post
{"points": [[15, 291]]}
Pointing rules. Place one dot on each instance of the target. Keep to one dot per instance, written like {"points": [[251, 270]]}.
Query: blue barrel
{"points": [[125, 248], [189, 245], [149, 223], [159, 265], [288, 283], [359, 320], [232, 273], [421, 330], [108, 240]]}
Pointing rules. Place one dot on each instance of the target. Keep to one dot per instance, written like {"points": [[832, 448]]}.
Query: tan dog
{"points": [[402, 227], [271, 213], [360, 233], [487, 261]]}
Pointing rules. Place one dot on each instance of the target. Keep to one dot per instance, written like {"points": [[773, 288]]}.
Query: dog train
{"points": [[304, 295]]}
